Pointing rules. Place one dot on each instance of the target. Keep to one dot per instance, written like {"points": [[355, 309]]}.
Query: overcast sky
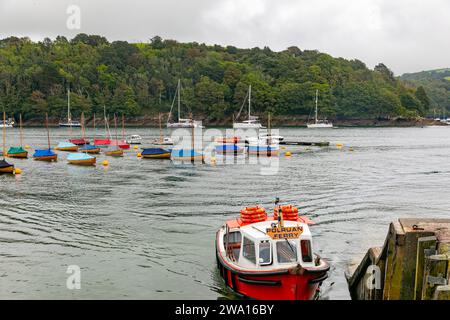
{"points": [[406, 35]]}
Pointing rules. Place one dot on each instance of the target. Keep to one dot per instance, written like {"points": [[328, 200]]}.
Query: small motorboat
{"points": [[79, 142], [229, 149], [87, 148], [186, 155], [6, 167], [66, 146], [163, 142], [156, 153], [17, 152], [270, 258], [81, 159], [45, 155], [114, 151], [102, 143], [134, 139]]}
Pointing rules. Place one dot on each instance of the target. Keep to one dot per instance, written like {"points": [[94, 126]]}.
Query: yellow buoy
{"points": [[288, 154], [105, 163], [139, 155], [18, 171], [350, 149], [339, 145], [27, 147], [136, 147]]}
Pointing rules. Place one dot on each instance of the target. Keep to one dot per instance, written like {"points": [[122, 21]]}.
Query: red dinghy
{"points": [[122, 144], [102, 142], [79, 142], [270, 258]]}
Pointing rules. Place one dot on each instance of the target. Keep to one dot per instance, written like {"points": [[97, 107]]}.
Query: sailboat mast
{"points": [[21, 132], [68, 105], [317, 100], [94, 125], [115, 125], [123, 127], [160, 129], [249, 99], [48, 133], [83, 129], [179, 98], [4, 135]]}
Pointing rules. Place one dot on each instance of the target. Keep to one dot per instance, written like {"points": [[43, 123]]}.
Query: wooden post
{"points": [[435, 271], [442, 293], [425, 247]]}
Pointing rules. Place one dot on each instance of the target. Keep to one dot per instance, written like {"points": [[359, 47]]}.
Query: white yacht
{"points": [[70, 122], [134, 139], [8, 123], [319, 124], [252, 122], [182, 123]]}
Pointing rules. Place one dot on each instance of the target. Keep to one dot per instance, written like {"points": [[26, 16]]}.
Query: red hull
{"points": [[289, 284], [79, 142], [102, 142], [120, 143]]}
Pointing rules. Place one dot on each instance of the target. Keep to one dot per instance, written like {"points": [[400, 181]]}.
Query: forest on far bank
{"points": [[141, 78]]}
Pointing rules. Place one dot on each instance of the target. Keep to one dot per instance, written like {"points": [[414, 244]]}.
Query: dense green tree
{"points": [[141, 78]]}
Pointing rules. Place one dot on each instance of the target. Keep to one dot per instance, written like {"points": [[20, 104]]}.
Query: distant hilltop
{"points": [[139, 79], [437, 87]]}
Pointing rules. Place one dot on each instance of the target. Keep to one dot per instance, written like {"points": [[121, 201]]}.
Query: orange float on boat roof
{"points": [[253, 214]]}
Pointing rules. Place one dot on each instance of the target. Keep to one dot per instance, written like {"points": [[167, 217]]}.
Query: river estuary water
{"points": [[145, 229]]}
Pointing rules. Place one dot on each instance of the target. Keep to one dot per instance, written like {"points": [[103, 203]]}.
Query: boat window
{"points": [[265, 253], [286, 251], [248, 250], [305, 246]]}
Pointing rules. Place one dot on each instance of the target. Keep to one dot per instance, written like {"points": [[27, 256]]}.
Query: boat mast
{"points": [[179, 98], [269, 131], [83, 130], [123, 127], [48, 133], [317, 99], [4, 135], [68, 106], [21, 132], [94, 125], [115, 125], [249, 99], [160, 129]]}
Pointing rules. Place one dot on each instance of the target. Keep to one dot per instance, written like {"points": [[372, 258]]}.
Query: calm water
{"points": [[145, 229]]}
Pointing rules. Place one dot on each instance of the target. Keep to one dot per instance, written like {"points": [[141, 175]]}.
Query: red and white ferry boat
{"points": [[270, 258]]}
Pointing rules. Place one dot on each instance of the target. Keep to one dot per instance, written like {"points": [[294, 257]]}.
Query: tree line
{"points": [[141, 79]]}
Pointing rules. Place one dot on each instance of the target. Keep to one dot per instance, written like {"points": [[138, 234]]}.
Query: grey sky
{"points": [[407, 35]]}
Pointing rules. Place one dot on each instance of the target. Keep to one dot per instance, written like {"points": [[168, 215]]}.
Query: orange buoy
{"points": [[253, 214], [288, 212]]}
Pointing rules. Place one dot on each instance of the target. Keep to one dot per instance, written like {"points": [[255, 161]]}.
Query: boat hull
{"points": [[115, 153], [188, 158], [47, 158], [157, 156], [248, 126], [67, 149], [320, 126], [9, 169], [84, 162], [91, 151], [286, 284], [21, 155]]}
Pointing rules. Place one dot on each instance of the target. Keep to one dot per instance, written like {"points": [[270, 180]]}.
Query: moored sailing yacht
{"points": [[182, 123], [270, 258], [252, 122], [45, 154], [5, 167], [319, 124], [70, 123], [18, 152]]}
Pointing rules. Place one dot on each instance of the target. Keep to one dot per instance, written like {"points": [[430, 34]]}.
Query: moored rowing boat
{"points": [[156, 153]]}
